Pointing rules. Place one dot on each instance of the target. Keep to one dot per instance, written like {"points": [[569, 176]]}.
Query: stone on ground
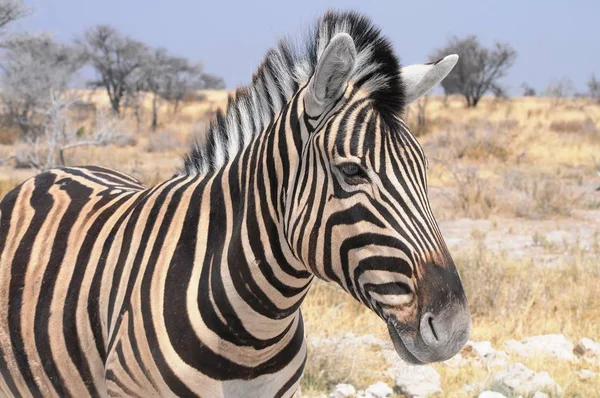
{"points": [[343, 391], [378, 390], [588, 349], [484, 353], [478, 349], [540, 394], [490, 394], [418, 381], [554, 345], [457, 361], [586, 374], [520, 380], [471, 389]]}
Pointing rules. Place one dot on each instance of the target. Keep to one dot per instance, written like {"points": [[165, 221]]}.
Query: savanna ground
{"points": [[514, 184]]}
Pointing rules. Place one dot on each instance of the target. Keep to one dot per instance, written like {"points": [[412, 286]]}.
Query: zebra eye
{"points": [[352, 172]]}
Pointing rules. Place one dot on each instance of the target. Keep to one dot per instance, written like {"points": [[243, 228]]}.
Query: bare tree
{"points": [[171, 78], [594, 88], [558, 90], [117, 60], [209, 81], [11, 10], [166, 77], [60, 135], [479, 69], [34, 67], [528, 91], [190, 77]]}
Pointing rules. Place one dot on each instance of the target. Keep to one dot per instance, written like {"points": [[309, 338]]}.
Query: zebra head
{"points": [[358, 212]]}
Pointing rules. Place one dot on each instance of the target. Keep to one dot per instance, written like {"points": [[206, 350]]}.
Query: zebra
{"points": [[193, 287]]}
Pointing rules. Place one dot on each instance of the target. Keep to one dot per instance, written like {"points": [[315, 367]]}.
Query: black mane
{"points": [[284, 69]]}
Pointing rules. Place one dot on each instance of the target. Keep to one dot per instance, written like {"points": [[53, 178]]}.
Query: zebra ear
{"points": [[419, 79], [331, 74]]}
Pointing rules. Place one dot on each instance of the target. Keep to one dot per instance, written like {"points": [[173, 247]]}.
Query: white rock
{"points": [[588, 349], [378, 390], [540, 394], [456, 361], [478, 349], [554, 345], [343, 391], [490, 394], [586, 374], [484, 353], [520, 380], [473, 388], [418, 381]]}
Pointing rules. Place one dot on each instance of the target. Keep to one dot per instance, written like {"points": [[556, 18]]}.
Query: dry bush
{"points": [[83, 110], [537, 196], [8, 134], [508, 299], [513, 299], [441, 122], [340, 361], [194, 97], [418, 130], [482, 144], [126, 140], [474, 196], [476, 141], [586, 126], [330, 314], [163, 141]]}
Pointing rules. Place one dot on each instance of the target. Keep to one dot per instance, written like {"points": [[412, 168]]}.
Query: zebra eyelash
{"points": [[353, 173]]}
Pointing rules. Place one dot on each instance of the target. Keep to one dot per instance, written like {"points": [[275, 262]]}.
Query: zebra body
{"points": [[126, 265], [193, 287]]}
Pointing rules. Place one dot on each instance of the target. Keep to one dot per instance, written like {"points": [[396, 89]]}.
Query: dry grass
{"points": [[8, 135], [513, 299], [530, 129], [6, 186], [509, 299], [538, 197], [330, 313], [517, 192], [526, 157], [474, 197], [586, 126], [476, 142], [165, 141]]}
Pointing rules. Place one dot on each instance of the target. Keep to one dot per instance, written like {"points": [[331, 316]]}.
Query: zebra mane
{"points": [[284, 70]]}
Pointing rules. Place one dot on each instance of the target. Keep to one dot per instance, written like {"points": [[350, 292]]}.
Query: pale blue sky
{"points": [[553, 38]]}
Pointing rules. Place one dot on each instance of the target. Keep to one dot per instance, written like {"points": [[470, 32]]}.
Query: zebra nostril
{"points": [[430, 321], [429, 334]]}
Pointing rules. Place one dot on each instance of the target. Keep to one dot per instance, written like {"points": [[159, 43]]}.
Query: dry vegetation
{"points": [[522, 164], [150, 157]]}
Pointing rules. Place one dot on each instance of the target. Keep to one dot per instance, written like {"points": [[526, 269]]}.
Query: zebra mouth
{"points": [[400, 347]]}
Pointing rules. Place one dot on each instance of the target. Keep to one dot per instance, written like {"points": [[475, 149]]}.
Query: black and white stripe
{"points": [[193, 287]]}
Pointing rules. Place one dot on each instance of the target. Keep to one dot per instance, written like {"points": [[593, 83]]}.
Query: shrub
{"points": [[474, 197], [477, 142], [163, 141], [538, 196], [573, 126]]}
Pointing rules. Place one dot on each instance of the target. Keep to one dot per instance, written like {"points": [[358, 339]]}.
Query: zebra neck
{"points": [[266, 283]]}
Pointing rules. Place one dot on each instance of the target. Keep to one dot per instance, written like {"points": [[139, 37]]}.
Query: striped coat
{"points": [[193, 287]]}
